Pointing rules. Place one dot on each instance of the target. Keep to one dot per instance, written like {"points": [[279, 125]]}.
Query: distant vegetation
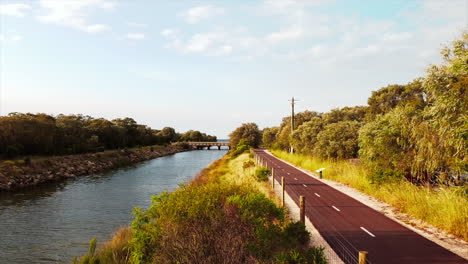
{"points": [[223, 216], [42, 134], [417, 131]]}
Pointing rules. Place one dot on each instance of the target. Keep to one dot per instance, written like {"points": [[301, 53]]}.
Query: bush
{"points": [[243, 146], [261, 174], [248, 164]]}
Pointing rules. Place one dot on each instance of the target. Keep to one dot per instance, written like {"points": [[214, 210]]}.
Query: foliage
{"points": [[356, 113], [304, 138], [243, 146], [196, 136], [41, 134], [249, 132], [116, 251], [211, 221], [269, 136], [338, 140], [284, 132], [312, 256], [386, 99], [262, 174]]}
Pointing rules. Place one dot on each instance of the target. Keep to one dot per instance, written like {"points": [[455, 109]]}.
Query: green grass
{"points": [[443, 207]]}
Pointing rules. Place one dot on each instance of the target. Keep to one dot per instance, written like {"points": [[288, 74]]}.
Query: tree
{"points": [[338, 140], [385, 144], [356, 113], [284, 134], [305, 137], [385, 99], [249, 132], [269, 137], [444, 147], [168, 134]]}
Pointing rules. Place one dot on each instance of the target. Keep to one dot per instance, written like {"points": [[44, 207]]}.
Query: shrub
{"points": [[243, 146], [261, 174], [248, 164]]}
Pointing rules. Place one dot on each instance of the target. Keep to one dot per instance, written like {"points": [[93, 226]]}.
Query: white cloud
{"points": [[96, 28], [202, 42], [135, 36], [199, 13], [293, 33], [17, 10], [73, 13], [168, 33], [10, 38], [136, 24], [396, 36]]}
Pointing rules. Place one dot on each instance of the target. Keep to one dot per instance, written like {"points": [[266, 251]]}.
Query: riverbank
{"points": [[227, 214], [440, 214], [16, 174]]}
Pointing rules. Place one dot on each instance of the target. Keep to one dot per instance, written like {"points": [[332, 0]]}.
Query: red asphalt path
{"points": [[349, 226]]}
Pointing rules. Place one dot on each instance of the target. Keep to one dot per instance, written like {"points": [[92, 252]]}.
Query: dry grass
{"points": [[443, 207], [117, 250]]}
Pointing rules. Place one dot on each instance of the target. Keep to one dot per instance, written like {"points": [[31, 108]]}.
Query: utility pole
{"points": [[292, 119]]}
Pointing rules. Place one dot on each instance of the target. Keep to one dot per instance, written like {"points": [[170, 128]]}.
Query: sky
{"points": [[213, 65]]}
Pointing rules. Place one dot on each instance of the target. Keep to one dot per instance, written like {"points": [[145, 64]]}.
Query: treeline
{"points": [[42, 134], [418, 130]]}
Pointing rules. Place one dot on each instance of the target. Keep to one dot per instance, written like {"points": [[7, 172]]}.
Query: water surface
{"points": [[52, 223]]}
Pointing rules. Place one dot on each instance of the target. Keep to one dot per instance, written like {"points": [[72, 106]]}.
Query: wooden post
{"points": [[362, 257], [320, 174], [282, 187], [272, 179], [302, 209]]}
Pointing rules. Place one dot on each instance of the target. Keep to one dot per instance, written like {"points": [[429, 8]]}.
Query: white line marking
{"points": [[304, 185], [365, 230], [295, 179], [318, 195], [337, 209]]}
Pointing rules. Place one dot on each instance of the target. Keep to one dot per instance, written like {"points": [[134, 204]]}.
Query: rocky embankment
{"points": [[15, 174]]}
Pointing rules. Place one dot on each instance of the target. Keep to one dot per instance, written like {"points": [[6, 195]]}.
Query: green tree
{"points": [[283, 140], [338, 140], [248, 132], [305, 137], [442, 135], [269, 137], [385, 99]]}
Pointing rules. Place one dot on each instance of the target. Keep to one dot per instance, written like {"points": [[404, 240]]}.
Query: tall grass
{"points": [[443, 207]]}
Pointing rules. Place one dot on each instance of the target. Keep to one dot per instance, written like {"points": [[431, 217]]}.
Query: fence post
{"points": [[302, 209], [362, 257], [282, 187], [272, 178], [320, 174]]}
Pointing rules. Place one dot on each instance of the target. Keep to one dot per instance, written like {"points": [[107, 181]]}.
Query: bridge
{"points": [[208, 145]]}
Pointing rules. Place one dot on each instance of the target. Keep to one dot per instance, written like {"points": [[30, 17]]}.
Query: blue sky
{"points": [[212, 65]]}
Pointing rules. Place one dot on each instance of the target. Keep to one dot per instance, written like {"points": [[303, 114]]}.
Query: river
{"points": [[52, 223]]}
